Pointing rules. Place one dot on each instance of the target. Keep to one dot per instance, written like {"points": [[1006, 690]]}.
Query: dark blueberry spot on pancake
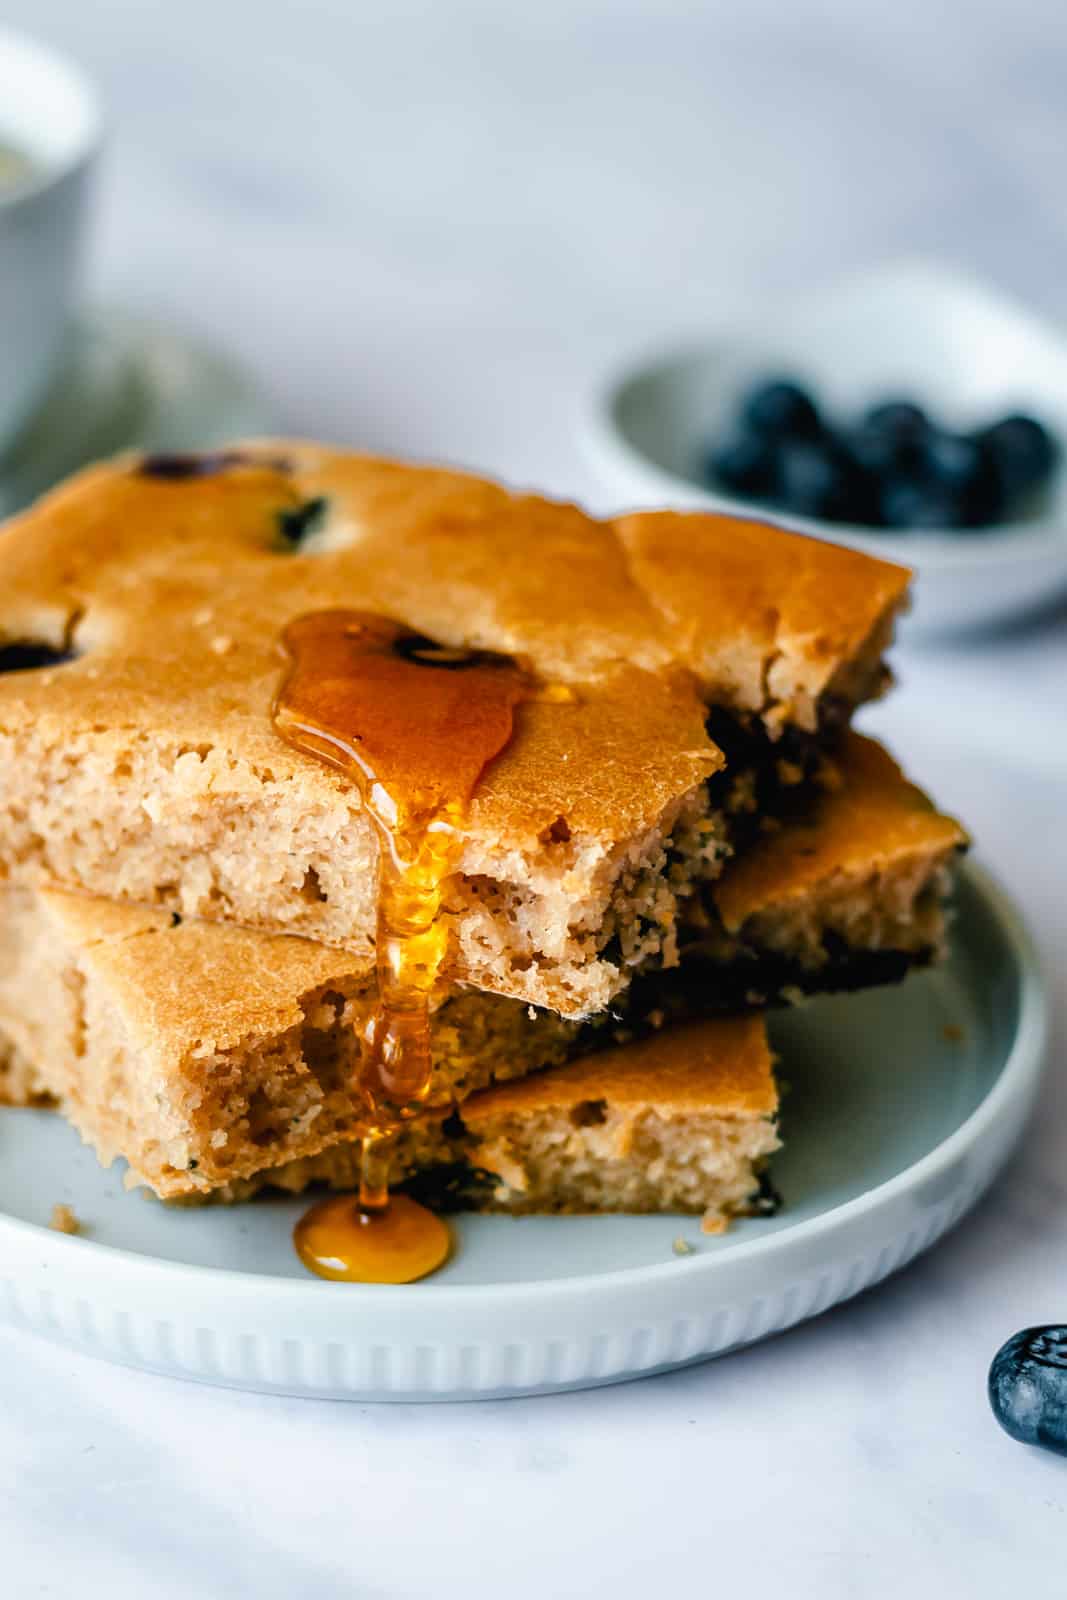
{"points": [[27, 655], [179, 466], [765, 777], [832, 714], [589, 1114], [452, 1126], [766, 1201], [451, 1186], [296, 524], [704, 986], [423, 652]]}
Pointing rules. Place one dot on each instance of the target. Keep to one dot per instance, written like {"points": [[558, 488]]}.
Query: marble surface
{"points": [[426, 227]]}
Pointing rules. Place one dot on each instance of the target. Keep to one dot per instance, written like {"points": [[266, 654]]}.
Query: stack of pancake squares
{"points": [[685, 834]]}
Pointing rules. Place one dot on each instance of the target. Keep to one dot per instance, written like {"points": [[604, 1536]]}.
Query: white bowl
{"points": [[50, 111], [963, 351]]}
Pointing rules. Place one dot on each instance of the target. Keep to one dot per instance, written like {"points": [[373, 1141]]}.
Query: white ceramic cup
{"points": [[50, 112]]}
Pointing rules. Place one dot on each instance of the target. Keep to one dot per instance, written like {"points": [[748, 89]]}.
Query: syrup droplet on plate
{"points": [[341, 1240], [412, 723]]}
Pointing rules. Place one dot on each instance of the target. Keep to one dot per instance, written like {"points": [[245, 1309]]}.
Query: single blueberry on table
{"points": [[744, 464], [781, 409], [1028, 1387]]}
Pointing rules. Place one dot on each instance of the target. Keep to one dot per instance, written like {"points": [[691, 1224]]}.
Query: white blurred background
{"points": [[353, 192]]}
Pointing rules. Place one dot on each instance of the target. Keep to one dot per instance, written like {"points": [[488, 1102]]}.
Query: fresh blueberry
{"points": [[1022, 451], [1028, 1387], [859, 491], [299, 521], [26, 657], [814, 480], [891, 436], [874, 451], [984, 501], [743, 464], [954, 460], [920, 503], [962, 466], [780, 409], [861, 504], [902, 418]]}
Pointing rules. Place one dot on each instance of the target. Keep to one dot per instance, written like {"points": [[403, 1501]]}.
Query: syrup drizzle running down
{"points": [[413, 724]]}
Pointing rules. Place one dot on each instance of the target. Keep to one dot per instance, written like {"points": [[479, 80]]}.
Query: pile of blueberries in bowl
{"points": [[892, 467]]}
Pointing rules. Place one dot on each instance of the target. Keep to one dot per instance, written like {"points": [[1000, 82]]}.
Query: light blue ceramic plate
{"points": [[902, 1104]]}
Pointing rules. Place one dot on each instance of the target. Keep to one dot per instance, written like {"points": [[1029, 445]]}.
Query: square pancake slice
{"points": [[850, 894], [141, 612], [199, 1051], [203, 1053], [680, 1121]]}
